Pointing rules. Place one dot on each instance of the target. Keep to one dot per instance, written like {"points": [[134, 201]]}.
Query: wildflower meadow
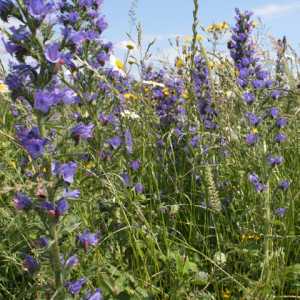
{"points": [[179, 183]]}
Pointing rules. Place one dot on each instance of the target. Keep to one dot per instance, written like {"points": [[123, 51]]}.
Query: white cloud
{"points": [[275, 9]]}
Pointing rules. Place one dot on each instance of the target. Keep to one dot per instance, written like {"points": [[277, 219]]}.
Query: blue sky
{"points": [[165, 19]]}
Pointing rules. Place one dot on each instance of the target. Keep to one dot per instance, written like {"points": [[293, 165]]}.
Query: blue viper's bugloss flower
{"points": [[43, 102], [275, 161], [68, 171], [5, 4], [280, 138], [252, 138], [253, 178], [114, 143], [255, 120], [39, 9], [284, 185], [259, 187], [274, 112], [13, 82], [135, 165], [77, 286], [281, 122], [280, 211], [22, 201], [30, 264], [56, 168], [275, 94], [71, 194], [249, 98], [11, 47], [51, 53], [138, 188], [96, 296], [62, 206], [70, 263], [43, 241], [83, 130], [85, 239]]}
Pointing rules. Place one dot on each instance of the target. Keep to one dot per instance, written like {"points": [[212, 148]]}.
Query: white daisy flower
{"points": [[129, 45], [116, 64], [3, 88], [130, 114]]}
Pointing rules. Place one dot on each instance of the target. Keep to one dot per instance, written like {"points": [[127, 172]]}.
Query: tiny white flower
{"points": [[130, 114], [129, 45]]}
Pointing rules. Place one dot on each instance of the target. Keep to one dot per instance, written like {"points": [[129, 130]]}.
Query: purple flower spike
{"points": [[284, 185], [77, 286], [280, 138], [52, 54], [280, 211], [259, 187], [84, 131], [68, 171], [30, 264], [62, 206], [252, 138], [22, 201], [281, 122]]}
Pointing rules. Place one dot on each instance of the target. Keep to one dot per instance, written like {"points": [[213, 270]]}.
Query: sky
{"points": [[164, 19]]}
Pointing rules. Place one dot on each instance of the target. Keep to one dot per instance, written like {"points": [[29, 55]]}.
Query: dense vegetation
{"points": [[181, 185]]}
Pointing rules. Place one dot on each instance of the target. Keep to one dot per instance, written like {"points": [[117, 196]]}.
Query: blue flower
{"points": [[280, 211], [77, 286], [83, 130], [68, 171], [252, 138], [30, 264], [284, 185], [38, 9], [52, 54], [259, 187], [22, 201]]}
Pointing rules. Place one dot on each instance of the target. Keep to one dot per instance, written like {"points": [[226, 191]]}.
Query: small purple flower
{"points": [[138, 188], [281, 122], [249, 98], [252, 138], [73, 16], [71, 194], [68, 171], [52, 54], [47, 205], [135, 165], [28, 174], [96, 296], [259, 187], [56, 168], [43, 241], [280, 211], [275, 94], [30, 264], [284, 185], [83, 130], [275, 161], [86, 240], [62, 206], [114, 143], [280, 138], [77, 286], [274, 112], [22, 201], [43, 102], [71, 262], [35, 148], [269, 83], [258, 84], [11, 47], [38, 9], [255, 120], [253, 178]]}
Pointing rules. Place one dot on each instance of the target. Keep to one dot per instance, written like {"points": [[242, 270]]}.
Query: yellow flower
{"points": [[188, 56], [74, 73], [255, 130], [209, 28], [211, 64], [3, 89], [166, 91], [188, 39], [119, 64], [199, 37], [255, 24], [256, 237], [185, 95], [223, 26], [127, 96], [225, 93], [14, 163], [179, 63], [245, 238]]}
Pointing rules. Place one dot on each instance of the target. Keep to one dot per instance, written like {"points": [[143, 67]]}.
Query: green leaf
{"points": [[123, 296], [107, 283], [69, 229], [179, 264], [186, 266], [34, 290]]}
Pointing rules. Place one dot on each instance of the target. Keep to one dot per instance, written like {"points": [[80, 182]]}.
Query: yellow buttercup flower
{"points": [[166, 91], [255, 130], [119, 64], [245, 238], [179, 63], [74, 73], [255, 24], [185, 95], [14, 163]]}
